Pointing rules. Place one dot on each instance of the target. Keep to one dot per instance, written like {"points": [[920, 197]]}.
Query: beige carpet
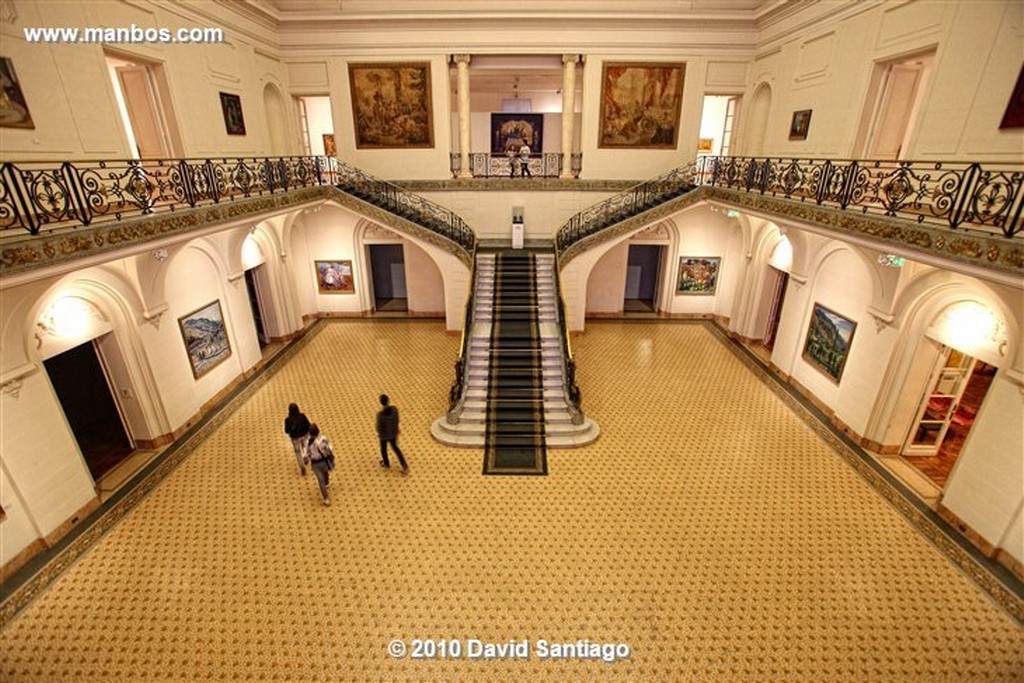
{"points": [[709, 529]]}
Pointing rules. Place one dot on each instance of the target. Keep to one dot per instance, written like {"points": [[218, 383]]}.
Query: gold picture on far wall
{"points": [[335, 277], [330, 149], [640, 105], [13, 108], [391, 105]]}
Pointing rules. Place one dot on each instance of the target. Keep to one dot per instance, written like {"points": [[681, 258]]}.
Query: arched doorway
{"points": [[277, 124], [757, 122]]}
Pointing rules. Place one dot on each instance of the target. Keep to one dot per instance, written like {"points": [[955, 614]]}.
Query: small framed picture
{"points": [[829, 337], [705, 144], [13, 108], [799, 125], [205, 337], [231, 106], [1013, 117], [330, 148], [335, 277], [698, 274]]}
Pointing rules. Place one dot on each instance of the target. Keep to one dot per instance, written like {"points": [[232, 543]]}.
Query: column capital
{"points": [[461, 59], [571, 59]]}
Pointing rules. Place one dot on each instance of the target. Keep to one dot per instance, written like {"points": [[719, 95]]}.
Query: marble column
{"points": [[568, 115], [462, 66]]}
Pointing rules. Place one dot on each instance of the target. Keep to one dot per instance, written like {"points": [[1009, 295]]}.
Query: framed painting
{"points": [[231, 107], [330, 149], [512, 131], [335, 277], [13, 108], [205, 337], [799, 125], [640, 105], [1013, 117], [705, 144], [829, 337], [391, 105], [698, 274]]}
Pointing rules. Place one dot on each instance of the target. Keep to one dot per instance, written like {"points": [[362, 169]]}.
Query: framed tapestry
{"points": [[13, 108], [1013, 117], [205, 337], [640, 105], [391, 105], [330, 149], [231, 107], [335, 277], [512, 131], [698, 274], [829, 336], [799, 125]]}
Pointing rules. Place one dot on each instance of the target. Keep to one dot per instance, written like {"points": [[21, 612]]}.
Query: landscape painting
{"points": [[698, 274], [391, 105], [335, 277], [205, 337], [640, 105], [829, 337]]}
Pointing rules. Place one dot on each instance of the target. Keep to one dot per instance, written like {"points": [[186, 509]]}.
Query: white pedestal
{"points": [[517, 235]]}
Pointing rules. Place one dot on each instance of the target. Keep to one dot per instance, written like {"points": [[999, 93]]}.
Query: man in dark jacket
{"points": [[296, 426], [387, 431]]}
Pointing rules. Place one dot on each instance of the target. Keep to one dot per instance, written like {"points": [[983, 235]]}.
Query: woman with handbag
{"points": [[321, 459]]}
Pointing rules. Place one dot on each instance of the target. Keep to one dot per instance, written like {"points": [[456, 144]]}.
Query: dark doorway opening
{"points": [[778, 280], [642, 270], [254, 304], [387, 265], [88, 404]]}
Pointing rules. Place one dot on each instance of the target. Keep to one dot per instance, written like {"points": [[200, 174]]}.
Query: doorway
{"points": [[894, 98], [83, 390], [777, 281], [643, 267], [253, 290], [956, 389], [143, 100], [316, 124], [387, 268], [716, 125]]}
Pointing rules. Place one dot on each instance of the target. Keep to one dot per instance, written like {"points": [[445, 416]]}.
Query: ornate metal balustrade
{"points": [[957, 196], [51, 196], [632, 202], [486, 165], [408, 205]]}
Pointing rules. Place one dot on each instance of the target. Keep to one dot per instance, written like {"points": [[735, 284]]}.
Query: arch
{"points": [[756, 123], [277, 121], [661, 231]]}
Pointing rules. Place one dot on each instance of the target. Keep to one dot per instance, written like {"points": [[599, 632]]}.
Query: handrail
{"points": [[457, 392], [571, 388], [954, 195], [38, 196], [488, 165], [408, 205]]}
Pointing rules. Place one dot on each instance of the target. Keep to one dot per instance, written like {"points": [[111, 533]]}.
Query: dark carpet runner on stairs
{"points": [[514, 436]]}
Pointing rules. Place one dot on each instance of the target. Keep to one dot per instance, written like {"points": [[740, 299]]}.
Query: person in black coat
{"points": [[296, 426], [387, 431]]}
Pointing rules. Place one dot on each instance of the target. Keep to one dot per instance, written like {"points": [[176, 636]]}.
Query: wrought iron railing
{"points": [[486, 165], [41, 196], [457, 392], [408, 205], [954, 195], [571, 389], [632, 202]]}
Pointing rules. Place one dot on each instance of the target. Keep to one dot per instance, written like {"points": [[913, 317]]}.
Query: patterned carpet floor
{"points": [[709, 529]]}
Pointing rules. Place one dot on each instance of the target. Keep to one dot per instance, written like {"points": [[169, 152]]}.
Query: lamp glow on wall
{"points": [[69, 318], [782, 255], [969, 325]]}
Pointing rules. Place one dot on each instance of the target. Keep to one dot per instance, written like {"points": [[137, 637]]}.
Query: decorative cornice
{"points": [[517, 184]]}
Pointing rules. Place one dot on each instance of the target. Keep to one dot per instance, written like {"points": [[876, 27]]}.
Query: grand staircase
{"points": [[515, 405]]}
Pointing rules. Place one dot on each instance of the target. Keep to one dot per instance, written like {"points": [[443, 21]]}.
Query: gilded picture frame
{"points": [[13, 107], [512, 131], [391, 105], [205, 337], [698, 275], [231, 107], [335, 277], [330, 148], [640, 105], [800, 124], [829, 338]]}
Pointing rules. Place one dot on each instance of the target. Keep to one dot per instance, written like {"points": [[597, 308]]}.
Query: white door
{"points": [[938, 406], [143, 107], [899, 93]]}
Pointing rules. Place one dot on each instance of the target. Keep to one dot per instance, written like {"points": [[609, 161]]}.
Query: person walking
{"points": [[321, 459], [524, 161], [296, 426], [511, 153], [387, 431]]}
